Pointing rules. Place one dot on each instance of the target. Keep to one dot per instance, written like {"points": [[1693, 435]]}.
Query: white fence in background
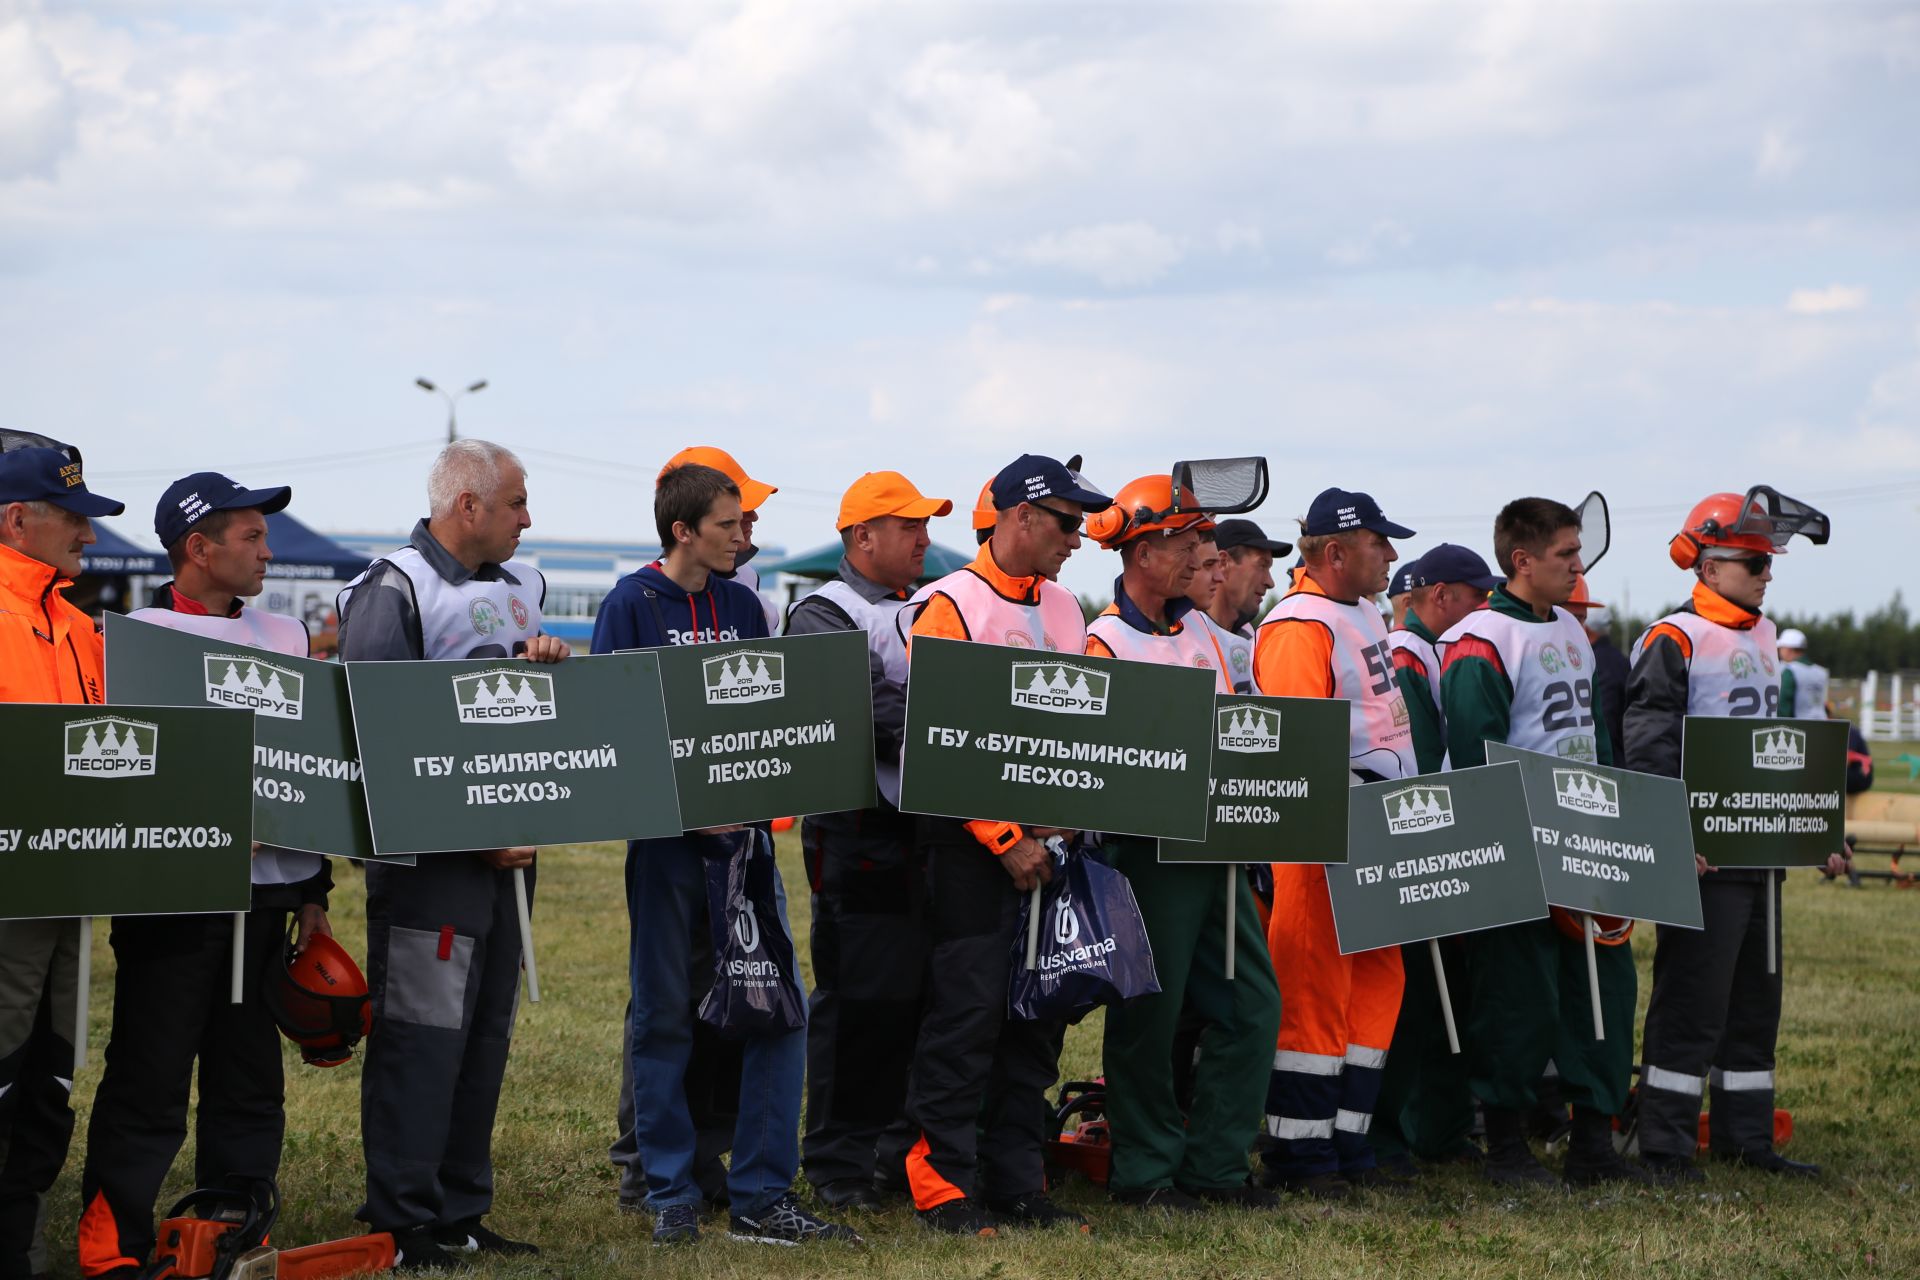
{"points": [[1887, 708]]}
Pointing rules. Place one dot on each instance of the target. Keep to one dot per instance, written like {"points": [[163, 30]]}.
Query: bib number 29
{"points": [[1569, 706]]}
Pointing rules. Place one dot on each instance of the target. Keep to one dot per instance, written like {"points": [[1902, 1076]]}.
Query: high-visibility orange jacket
{"points": [[49, 650]]}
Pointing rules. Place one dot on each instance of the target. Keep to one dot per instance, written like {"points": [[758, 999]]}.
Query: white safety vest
{"points": [[1809, 690], [471, 619], [1550, 665], [877, 618], [749, 577], [1380, 734], [1190, 646], [260, 630], [1055, 624], [1732, 672], [1236, 650], [1402, 639]]}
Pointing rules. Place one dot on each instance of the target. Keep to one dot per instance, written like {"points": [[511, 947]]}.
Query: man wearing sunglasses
{"points": [[1715, 1011]]}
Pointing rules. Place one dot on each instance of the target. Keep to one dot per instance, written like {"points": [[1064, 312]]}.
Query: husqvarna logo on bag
{"points": [[110, 747], [1779, 748], [234, 680], [1060, 687], [1584, 792], [746, 929], [1248, 729], [1413, 809], [1066, 924], [749, 676], [504, 696]]}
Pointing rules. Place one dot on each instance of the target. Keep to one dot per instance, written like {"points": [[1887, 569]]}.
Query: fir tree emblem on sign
{"points": [[504, 696], [1248, 729], [1779, 748], [236, 680], [1585, 792], [1060, 687], [746, 676], [1412, 809], [110, 747]]}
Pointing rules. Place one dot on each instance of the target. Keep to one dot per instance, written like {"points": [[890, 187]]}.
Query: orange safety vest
{"points": [[49, 650]]}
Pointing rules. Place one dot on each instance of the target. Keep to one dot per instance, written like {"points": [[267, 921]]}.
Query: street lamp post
{"points": [[450, 397]]}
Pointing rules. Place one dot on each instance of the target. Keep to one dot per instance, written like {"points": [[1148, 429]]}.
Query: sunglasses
{"points": [[1069, 523], [1754, 564]]}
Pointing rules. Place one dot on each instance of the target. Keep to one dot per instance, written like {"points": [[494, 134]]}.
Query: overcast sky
{"points": [[1450, 255]]}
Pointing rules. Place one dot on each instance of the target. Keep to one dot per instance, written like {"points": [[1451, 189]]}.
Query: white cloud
{"points": [[1383, 238], [1778, 157], [1827, 301], [1119, 255], [36, 105]]}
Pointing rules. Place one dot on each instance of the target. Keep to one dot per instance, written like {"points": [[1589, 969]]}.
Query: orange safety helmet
{"points": [[1579, 602], [1608, 931], [319, 999], [1144, 506], [1711, 523]]}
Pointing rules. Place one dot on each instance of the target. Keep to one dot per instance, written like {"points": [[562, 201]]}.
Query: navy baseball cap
{"points": [[1402, 581], [1337, 511], [204, 492], [1032, 476], [1229, 534], [1450, 563], [51, 475]]}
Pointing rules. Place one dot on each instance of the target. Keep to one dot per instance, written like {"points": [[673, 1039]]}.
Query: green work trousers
{"points": [[1530, 1006], [1426, 1106], [1185, 908]]}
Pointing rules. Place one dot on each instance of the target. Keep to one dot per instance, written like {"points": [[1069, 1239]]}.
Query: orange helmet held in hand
{"points": [[318, 997]]}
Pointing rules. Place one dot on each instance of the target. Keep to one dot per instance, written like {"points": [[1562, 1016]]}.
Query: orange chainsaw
{"points": [[232, 1241]]}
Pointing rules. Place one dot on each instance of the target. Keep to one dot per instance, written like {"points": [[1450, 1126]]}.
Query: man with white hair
{"points": [[443, 940], [1803, 684]]}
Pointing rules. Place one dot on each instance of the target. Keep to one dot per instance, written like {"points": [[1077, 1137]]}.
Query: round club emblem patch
{"points": [[1766, 662], [1741, 666], [1573, 656], [1550, 658], [1019, 640], [519, 610], [484, 616]]}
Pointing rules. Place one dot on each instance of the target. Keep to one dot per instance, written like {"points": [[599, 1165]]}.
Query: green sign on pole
{"points": [[770, 728], [1765, 793], [1436, 855], [1611, 842], [112, 810], [1279, 785], [306, 766], [1057, 740], [502, 752]]}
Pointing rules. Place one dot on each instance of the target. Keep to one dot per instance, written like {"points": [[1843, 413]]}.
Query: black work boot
{"points": [[1591, 1157], [1510, 1161]]}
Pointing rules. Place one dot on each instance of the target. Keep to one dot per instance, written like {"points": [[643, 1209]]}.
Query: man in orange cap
{"points": [[752, 494], [869, 891]]}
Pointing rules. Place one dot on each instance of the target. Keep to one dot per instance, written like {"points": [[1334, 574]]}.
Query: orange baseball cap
{"points": [[984, 516], [752, 492], [887, 493]]}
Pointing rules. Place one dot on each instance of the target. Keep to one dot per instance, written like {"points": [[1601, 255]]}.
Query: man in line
{"points": [[1246, 575], [1803, 684], [171, 996], [443, 937], [752, 494], [1609, 664], [684, 598], [1520, 672], [1325, 639], [869, 887], [977, 1089], [1209, 571], [1426, 1108], [1163, 1159], [49, 652], [1714, 1016]]}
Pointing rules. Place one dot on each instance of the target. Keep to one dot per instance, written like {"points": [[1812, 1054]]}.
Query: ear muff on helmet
{"points": [[318, 998], [1684, 550], [1146, 505]]}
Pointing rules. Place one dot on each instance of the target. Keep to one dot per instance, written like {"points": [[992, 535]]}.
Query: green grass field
{"points": [[1891, 773], [1849, 1070]]}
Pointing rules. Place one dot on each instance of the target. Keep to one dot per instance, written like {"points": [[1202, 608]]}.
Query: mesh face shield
{"points": [[11, 440], [1596, 531], [1220, 486], [1770, 514]]}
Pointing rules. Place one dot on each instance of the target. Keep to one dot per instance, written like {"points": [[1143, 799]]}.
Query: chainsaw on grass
{"points": [[222, 1233]]}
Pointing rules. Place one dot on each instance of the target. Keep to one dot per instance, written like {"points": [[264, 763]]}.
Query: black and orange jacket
{"points": [[50, 651], [1657, 684]]}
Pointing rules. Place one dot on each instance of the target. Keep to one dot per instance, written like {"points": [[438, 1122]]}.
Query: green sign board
{"points": [[1765, 793], [306, 766], [1057, 740], [1279, 786], [501, 752], [1611, 842], [770, 728], [112, 810], [1436, 855]]}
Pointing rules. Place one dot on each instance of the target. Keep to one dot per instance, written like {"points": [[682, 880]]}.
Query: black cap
{"points": [[1402, 581], [1032, 476], [51, 475], [191, 497], [1229, 534], [1337, 511], [1450, 563]]}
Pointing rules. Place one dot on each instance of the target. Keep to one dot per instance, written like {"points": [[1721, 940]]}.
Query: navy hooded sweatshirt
{"points": [[647, 610]]}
